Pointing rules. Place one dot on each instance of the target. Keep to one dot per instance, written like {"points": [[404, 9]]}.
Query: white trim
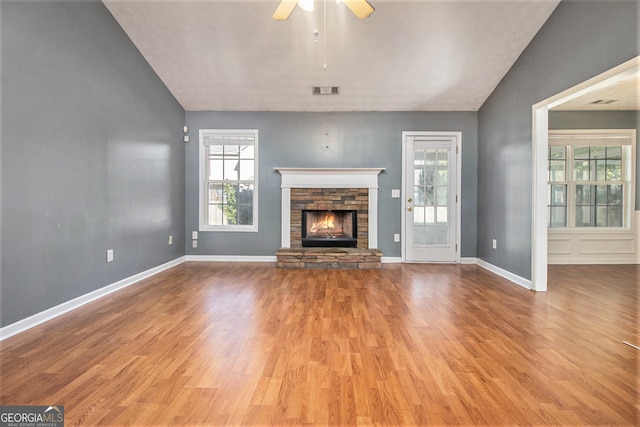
{"points": [[202, 208], [539, 162], [458, 144], [468, 260], [373, 217], [65, 307], [505, 274], [391, 260], [285, 223], [329, 178], [230, 258]]}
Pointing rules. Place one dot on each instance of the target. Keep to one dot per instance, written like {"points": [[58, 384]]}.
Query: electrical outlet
{"points": [[110, 255], [194, 243], [194, 235], [170, 239], [396, 238], [495, 244]]}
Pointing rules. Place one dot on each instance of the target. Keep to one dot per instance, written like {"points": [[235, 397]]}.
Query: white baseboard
{"points": [[468, 260], [525, 283], [230, 258], [43, 316]]}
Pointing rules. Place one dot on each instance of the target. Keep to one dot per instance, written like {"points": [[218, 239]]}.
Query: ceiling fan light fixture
{"points": [[308, 5]]}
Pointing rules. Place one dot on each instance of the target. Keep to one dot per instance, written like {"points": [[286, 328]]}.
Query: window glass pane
{"points": [[246, 170], [614, 153], [231, 169], [556, 170], [558, 216], [557, 152], [615, 195], [215, 216], [600, 170], [580, 152], [214, 193], [215, 170], [601, 194], [583, 216], [581, 170], [245, 214], [615, 216], [601, 216], [598, 152], [614, 170], [583, 195], [558, 195], [247, 152], [231, 151], [245, 196]]}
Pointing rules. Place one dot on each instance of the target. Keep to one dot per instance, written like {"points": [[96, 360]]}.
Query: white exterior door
{"points": [[430, 196]]}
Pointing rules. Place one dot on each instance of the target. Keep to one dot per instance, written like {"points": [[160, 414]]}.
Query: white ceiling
{"points": [[620, 92], [230, 55]]}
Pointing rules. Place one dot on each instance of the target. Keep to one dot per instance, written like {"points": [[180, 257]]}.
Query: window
{"points": [[228, 185], [590, 179]]}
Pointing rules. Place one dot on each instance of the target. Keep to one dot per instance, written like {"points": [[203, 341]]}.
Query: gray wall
{"points": [[92, 157], [294, 140], [600, 120], [581, 39]]}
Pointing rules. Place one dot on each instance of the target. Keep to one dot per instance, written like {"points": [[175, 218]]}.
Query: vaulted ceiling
{"points": [[230, 55]]}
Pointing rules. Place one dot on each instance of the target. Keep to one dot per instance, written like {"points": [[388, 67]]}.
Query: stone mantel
{"points": [[329, 178]]}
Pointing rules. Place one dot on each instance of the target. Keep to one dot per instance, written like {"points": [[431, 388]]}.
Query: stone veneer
{"points": [[329, 199]]}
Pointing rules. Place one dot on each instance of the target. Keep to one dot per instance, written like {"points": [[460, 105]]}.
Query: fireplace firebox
{"points": [[329, 228]]}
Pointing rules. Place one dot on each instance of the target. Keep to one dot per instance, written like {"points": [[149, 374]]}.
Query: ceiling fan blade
{"points": [[284, 10], [361, 8]]}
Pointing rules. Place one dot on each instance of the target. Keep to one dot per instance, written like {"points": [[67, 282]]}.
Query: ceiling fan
{"points": [[361, 8]]}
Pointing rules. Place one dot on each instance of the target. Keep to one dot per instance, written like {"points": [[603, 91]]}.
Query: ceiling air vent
{"points": [[325, 90], [603, 101]]}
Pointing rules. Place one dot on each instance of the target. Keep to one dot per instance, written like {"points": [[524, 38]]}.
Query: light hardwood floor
{"points": [[249, 344]]}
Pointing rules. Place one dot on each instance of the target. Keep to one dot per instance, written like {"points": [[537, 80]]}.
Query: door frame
{"points": [[458, 158], [540, 145]]}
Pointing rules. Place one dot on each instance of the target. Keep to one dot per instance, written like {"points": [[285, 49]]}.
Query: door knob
{"points": [[409, 200], [409, 208]]}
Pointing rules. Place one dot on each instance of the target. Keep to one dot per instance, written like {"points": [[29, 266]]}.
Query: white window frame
{"points": [[202, 188], [583, 137]]}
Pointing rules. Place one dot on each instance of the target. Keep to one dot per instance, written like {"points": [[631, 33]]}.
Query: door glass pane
{"points": [[431, 197], [442, 236], [442, 196]]}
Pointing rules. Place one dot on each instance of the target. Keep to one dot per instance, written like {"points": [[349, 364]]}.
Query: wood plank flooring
{"points": [[213, 344]]}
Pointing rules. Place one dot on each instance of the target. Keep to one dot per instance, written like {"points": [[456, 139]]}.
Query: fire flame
{"points": [[323, 224]]}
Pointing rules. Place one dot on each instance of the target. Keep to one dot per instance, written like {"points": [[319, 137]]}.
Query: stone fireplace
{"points": [[347, 194]]}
